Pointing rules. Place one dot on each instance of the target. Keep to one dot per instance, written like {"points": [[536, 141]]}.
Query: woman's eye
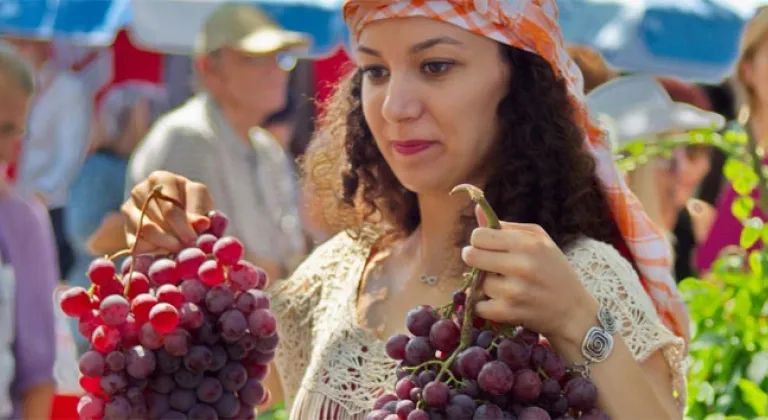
{"points": [[375, 73], [436, 67]]}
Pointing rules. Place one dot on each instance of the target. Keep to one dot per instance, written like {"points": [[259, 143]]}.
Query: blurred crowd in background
{"points": [[102, 119]]}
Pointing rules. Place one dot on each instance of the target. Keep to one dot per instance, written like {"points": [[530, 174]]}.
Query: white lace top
{"points": [[330, 367]]}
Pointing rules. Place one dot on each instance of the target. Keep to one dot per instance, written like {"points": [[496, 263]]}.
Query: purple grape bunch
{"points": [[185, 336], [454, 365]]}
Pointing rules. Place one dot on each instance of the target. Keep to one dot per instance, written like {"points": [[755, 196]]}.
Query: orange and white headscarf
{"points": [[531, 25]]}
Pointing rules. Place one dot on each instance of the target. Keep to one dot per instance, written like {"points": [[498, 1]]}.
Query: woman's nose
{"points": [[402, 102]]}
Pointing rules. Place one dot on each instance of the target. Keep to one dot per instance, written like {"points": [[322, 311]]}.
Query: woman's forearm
{"points": [[37, 401], [624, 389]]}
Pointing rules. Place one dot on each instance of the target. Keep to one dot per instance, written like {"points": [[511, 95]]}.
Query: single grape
{"points": [[75, 302], [202, 412], [207, 333], [418, 350], [193, 290], [188, 261], [141, 264], [140, 362], [251, 300], [513, 353], [227, 406], [92, 364], [167, 363], [118, 409], [91, 385], [418, 414], [219, 299], [141, 305], [383, 400], [404, 408], [496, 378], [435, 394], [534, 413], [177, 342], [232, 325], [559, 407], [115, 361], [594, 414], [157, 405], [262, 323], [426, 377], [219, 222], [163, 384], [209, 390], [539, 355], [205, 242], [252, 393], [459, 298], [182, 399], [149, 337], [187, 379], [228, 250], [233, 376], [550, 390], [267, 344], [419, 320], [105, 338], [136, 284], [211, 273], [163, 271], [219, 358], [554, 367], [191, 317], [88, 323], [256, 370], [113, 383], [235, 351], [527, 337], [403, 388], [484, 339], [395, 346], [198, 359], [114, 309], [246, 276], [461, 407], [90, 407], [581, 394], [527, 386], [377, 415], [170, 294], [444, 335], [164, 317], [488, 412], [471, 361], [101, 271], [109, 288]]}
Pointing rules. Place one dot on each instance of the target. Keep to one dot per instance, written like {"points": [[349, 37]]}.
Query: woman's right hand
{"points": [[166, 227]]}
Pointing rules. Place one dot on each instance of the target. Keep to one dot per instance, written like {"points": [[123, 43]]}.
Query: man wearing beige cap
{"points": [[242, 59]]}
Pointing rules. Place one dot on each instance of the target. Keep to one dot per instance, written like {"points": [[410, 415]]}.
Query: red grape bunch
{"points": [[456, 366], [185, 336]]}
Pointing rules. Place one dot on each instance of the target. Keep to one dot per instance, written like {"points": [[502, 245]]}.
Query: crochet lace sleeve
{"points": [[614, 283], [293, 303]]}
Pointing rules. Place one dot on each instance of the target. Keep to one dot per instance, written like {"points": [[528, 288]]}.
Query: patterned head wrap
{"points": [[531, 25]]}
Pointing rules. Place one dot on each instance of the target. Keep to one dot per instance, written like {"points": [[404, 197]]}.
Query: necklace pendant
{"points": [[430, 280]]}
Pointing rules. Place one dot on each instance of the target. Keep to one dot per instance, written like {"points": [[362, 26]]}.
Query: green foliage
{"points": [[728, 360]]}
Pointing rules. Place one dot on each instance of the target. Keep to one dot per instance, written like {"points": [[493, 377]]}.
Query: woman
{"points": [[439, 99], [751, 76], [29, 271]]}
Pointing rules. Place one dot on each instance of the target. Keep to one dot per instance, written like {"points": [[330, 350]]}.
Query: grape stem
{"points": [[476, 276]]}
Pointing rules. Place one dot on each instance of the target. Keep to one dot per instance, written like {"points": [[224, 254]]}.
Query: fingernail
{"points": [[695, 206]]}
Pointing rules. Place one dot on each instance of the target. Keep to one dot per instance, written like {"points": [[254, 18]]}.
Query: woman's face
{"points": [[755, 74], [14, 104], [430, 92]]}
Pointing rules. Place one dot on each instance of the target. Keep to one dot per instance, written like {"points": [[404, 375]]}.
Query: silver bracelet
{"points": [[598, 342]]}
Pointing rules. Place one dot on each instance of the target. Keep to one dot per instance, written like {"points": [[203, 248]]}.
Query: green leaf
{"points": [[742, 207], [758, 367], [756, 398], [733, 169], [753, 229]]}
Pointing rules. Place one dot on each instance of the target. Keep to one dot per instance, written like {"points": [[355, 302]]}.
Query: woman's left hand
{"points": [[530, 282]]}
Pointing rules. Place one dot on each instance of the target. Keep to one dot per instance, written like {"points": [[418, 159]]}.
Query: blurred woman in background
{"points": [[752, 82]]}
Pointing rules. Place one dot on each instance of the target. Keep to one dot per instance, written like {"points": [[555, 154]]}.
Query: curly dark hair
{"points": [[544, 175]]}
